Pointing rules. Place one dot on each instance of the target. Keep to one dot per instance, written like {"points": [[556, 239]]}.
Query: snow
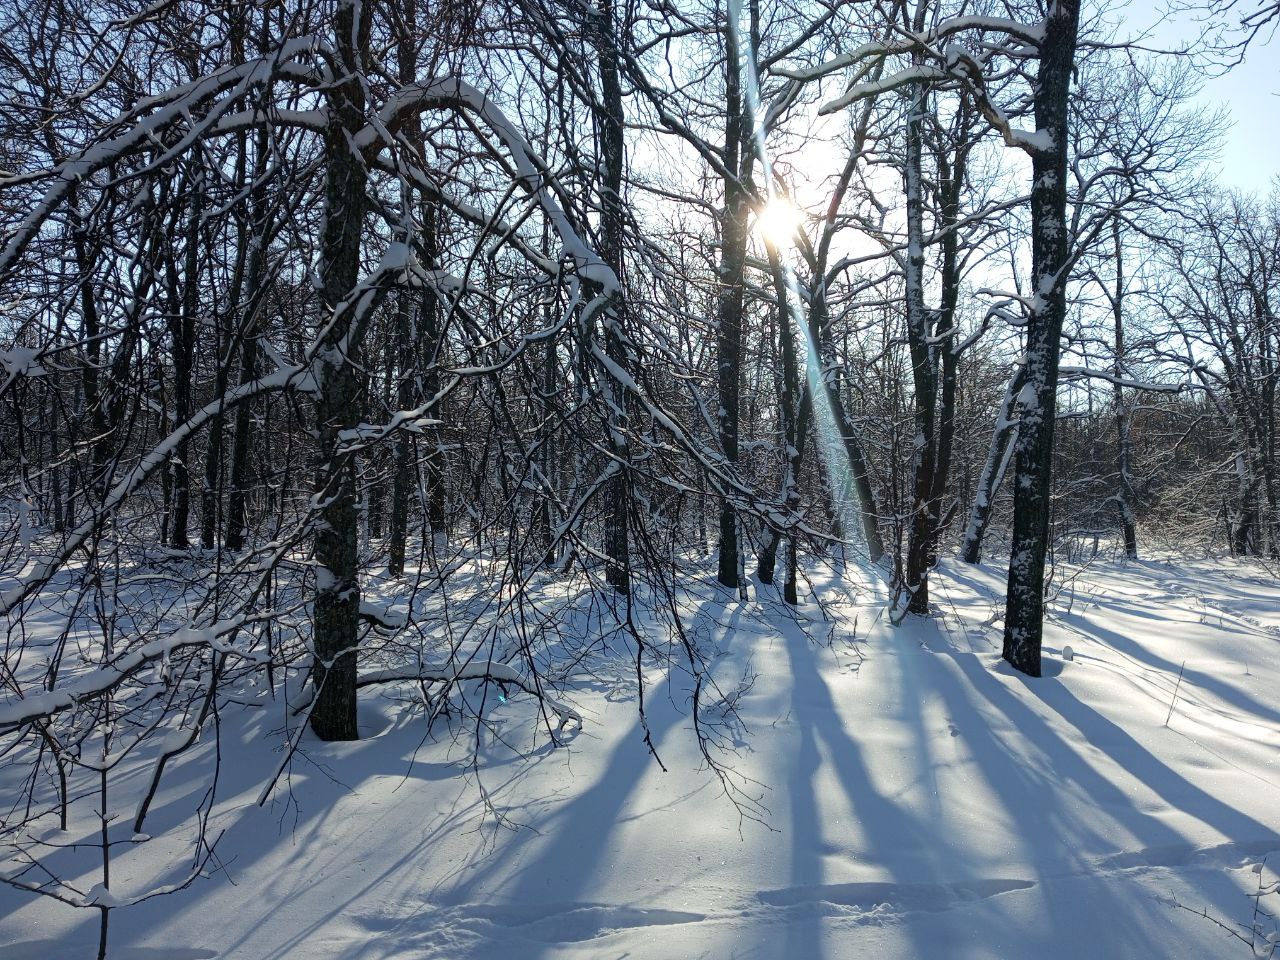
{"points": [[872, 88], [530, 169], [100, 896], [1036, 140], [12, 596], [161, 111], [1030, 34], [21, 710], [1027, 398], [913, 799], [21, 362]]}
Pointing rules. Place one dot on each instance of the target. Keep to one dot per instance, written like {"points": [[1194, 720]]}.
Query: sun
{"points": [[778, 221]]}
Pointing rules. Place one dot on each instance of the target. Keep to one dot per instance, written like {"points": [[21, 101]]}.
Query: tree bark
{"points": [[611, 124], [1050, 253], [183, 331], [1124, 448], [337, 597], [398, 523], [733, 238], [951, 179], [796, 413], [923, 369], [993, 471]]}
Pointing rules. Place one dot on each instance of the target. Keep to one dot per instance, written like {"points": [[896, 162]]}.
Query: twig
{"points": [[1176, 688]]}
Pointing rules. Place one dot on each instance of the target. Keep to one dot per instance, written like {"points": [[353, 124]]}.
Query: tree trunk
{"points": [[183, 331], [1242, 537], [91, 327], [822, 377], [1050, 253], [543, 518], [431, 352], [337, 598], [993, 471], [256, 227], [733, 236], [796, 412], [237, 498], [402, 479], [1124, 493], [859, 472], [210, 494], [923, 369], [951, 179], [255, 293], [611, 121]]}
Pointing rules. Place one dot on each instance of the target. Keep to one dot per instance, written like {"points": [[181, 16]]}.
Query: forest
{"points": [[637, 478]]}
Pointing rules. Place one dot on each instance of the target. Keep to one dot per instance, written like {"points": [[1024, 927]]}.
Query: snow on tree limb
{"points": [[533, 175], [175, 104], [472, 670], [94, 683]]}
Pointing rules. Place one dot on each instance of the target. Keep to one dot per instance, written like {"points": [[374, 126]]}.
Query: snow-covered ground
{"points": [[914, 799]]}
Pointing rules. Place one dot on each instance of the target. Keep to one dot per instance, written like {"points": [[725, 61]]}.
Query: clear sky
{"points": [[1250, 91]]}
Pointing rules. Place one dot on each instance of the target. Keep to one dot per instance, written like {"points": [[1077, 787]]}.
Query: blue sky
{"points": [[1251, 91], [1250, 157]]}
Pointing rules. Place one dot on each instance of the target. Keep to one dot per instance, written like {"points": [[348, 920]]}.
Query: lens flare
{"points": [[778, 221]]}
